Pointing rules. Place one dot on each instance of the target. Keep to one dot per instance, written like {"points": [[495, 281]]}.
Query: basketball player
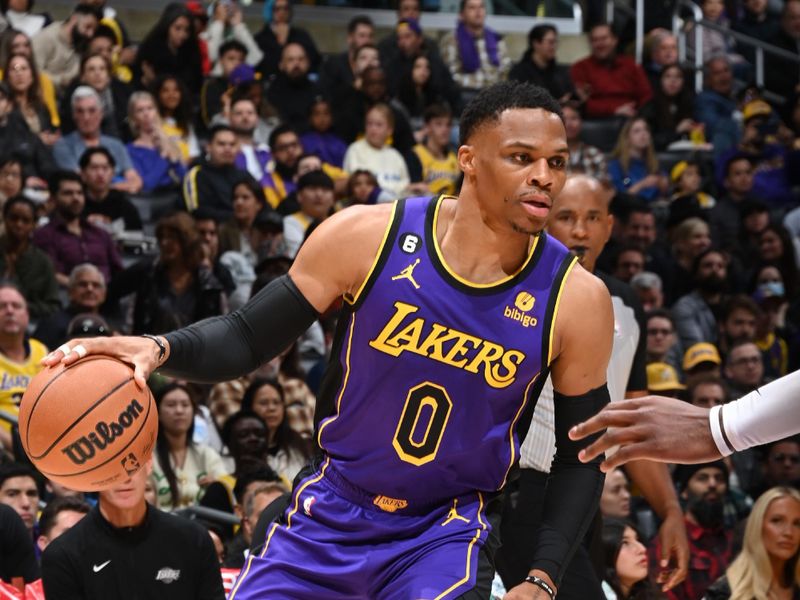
{"points": [[455, 312], [668, 430]]}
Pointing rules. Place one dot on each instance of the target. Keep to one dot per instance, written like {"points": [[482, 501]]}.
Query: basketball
{"points": [[87, 425]]}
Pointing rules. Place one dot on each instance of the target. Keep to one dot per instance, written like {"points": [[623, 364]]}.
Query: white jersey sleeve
{"points": [[770, 413]]}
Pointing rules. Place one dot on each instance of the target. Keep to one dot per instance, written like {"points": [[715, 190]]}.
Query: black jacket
{"points": [[18, 141], [272, 49], [721, 590], [17, 558], [165, 557], [293, 99], [554, 78]]}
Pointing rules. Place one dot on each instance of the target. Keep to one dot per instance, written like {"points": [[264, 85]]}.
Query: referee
{"points": [[128, 550], [580, 219]]}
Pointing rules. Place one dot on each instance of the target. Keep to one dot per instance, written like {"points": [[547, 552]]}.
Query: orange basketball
{"points": [[88, 426]]}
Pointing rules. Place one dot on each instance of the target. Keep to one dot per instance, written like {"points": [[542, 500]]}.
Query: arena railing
{"points": [[759, 46]]}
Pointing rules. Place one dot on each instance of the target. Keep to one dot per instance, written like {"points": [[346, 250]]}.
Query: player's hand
{"points": [[652, 428], [139, 352], [674, 564]]}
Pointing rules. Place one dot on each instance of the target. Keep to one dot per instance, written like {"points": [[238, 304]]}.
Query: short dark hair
{"points": [[736, 158], [231, 421], [251, 184], [219, 128], [232, 45], [19, 199], [278, 132], [86, 9], [537, 33], [16, 469], [87, 155], [264, 473], [739, 302], [104, 31], [437, 111], [490, 102], [659, 313], [353, 24], [60, 176], [56, 506]]}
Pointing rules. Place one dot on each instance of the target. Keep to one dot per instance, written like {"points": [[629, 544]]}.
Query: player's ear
{"points": [[148, 467], [466, 159]]}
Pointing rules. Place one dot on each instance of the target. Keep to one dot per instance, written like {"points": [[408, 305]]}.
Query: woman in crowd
{"points": [[616, 498], [181, 469], [690, 239], [96, 71], [15, 42], [417, 90], [171, 47], [634, 168], [175, 109], [375, 154], [279, 31], [775, 248], [769, 564], [23, 263], [173, 289], [23, 80], [670, 112], [288, 451], [155, 156], [239, 234], [625, 562]]}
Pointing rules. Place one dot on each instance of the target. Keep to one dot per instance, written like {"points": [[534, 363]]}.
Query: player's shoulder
{"points": [[356, 225], [583, 287]]}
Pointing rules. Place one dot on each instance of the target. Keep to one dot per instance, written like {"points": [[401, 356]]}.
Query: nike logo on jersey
{"points": [[100, 567]]}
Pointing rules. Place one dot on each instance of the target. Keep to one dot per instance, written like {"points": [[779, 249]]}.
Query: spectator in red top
{"points": [[703, 488], [616, 85]]}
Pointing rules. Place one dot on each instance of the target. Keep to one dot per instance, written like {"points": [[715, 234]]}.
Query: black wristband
{"points": [[538, 581], [162, 349]]}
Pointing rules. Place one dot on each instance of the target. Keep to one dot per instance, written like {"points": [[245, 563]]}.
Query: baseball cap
{"points": [[242, 74], [683, 473], [756, 108], [678, 170], [662, 377], [700, 353], [411, 24]]}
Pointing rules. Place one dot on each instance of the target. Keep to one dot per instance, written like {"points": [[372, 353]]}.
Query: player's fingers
{"points": [[610, 416], [620, 457], [54, 357], [139, 375]]}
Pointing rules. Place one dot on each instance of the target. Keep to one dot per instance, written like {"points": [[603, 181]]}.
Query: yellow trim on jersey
{"points": [[269, 537], [354, 299], [555, 310], [190, 197], [472, 542], [513, 425], [344, 384], [460, 279]]}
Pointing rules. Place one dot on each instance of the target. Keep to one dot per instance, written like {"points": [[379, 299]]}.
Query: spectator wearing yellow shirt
{"points": [[20, 355], [440, 171]]}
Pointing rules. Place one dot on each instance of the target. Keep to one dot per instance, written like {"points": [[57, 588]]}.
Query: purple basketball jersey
{"points": [[431, 373]]}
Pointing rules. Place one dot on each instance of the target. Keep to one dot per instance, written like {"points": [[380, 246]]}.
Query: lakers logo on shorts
{"points": [[389, 504]]}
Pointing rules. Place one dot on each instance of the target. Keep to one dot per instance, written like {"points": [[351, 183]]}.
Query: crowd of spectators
{"points": [[149, 184]]}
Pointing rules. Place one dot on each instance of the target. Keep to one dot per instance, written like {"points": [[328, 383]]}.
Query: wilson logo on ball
{"points": [[104, 434]]}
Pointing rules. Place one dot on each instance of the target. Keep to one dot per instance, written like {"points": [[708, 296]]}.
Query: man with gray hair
{"points": [[87, 293], [87, 113], [648, 287]]}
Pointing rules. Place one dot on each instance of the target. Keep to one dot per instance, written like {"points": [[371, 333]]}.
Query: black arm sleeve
{"points": [[227, 347], [573, 488]]}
